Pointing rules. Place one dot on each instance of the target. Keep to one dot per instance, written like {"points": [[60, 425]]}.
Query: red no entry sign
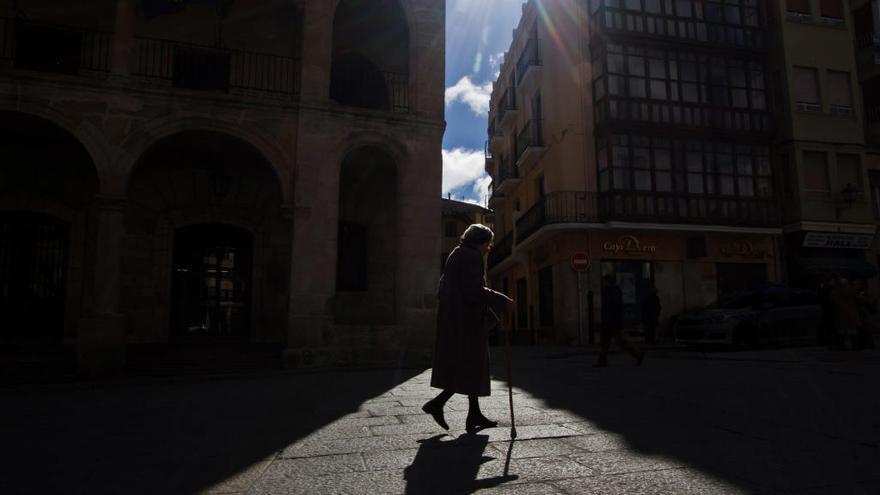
{"points": [[580, 262]]}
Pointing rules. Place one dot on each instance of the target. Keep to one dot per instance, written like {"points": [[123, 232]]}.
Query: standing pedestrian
{"points": [[651, 314], [612, 323], [845, 301], [461, 354]]}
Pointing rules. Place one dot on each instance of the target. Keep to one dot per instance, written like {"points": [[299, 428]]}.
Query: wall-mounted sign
{"points": [[742, 248], [839, 241], [629, 245]]}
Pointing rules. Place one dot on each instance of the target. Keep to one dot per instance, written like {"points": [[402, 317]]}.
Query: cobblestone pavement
{"points": [[799, 421]]}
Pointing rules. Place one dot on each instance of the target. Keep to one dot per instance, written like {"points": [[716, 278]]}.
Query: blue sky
{"points": [[478, 32]]}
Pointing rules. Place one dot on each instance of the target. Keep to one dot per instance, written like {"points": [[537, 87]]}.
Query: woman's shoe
{"points": [[472, 424], [436, 412]]}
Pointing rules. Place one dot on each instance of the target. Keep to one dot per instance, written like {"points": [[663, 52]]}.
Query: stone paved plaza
{"points": [[799, 421]]}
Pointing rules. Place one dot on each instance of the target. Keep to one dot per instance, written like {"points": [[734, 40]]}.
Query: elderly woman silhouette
{"points": [[461, 355]]}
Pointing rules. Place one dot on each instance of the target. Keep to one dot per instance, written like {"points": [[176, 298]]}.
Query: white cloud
{"points": [[481, 189], [461, 167], [472, 95], [495, 60]]}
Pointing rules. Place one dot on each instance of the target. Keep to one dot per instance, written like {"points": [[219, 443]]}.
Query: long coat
{"points": [[461, 353]]}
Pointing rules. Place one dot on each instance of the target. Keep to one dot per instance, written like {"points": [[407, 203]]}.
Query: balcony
{"points": [[618, 20], [507, 178], [495, 134], [501, 250], [557, 208], [51, 48], [529, 144], [507, 110], [164, 63], [651, 207], [529, 65], [205, 68]]}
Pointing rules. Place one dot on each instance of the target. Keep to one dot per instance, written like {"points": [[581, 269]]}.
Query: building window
{"points": [[670, 87], [695, 168], [806, 89], [839, 93], [816, 173], [832, 9], [798, 6], [451, 229], [849, 171]]}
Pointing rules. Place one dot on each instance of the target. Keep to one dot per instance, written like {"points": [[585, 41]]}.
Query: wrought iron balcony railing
{"points": [[531, 136], [501, 250], [52, 48], [530, 57], [507, 103], [209, 68], [647, 207], [69, 50], [556, 208]]}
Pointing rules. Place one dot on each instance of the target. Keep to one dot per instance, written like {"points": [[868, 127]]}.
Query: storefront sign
{"points": [[629, 245], [839, 241], [742, 248]]}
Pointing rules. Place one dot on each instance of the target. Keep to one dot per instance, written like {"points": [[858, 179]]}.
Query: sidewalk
{"points": [[683, 423]]}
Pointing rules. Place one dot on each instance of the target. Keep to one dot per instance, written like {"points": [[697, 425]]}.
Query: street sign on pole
{"points": [[580, 262]]}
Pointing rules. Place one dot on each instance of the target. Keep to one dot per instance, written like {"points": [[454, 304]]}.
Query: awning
{"points": [[823, 266]]}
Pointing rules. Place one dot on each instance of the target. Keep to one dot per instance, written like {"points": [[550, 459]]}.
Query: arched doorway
{"points": [[47, 180], [207, 247], [370, 65], [367, 240]]}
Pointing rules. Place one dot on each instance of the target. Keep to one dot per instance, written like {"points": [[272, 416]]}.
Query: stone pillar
{"points": [[313, 259], [100, 341], [419, 244], [123, 39]]}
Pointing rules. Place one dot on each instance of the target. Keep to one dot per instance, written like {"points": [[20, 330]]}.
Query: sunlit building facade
{"points": [[641, 134], [234, 174]]}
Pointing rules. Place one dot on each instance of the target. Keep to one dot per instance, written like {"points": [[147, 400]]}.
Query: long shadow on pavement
{"points": [[450, 466], [179, 438]]}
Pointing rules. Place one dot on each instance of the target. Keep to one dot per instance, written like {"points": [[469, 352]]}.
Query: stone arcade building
{"points": [[245, 172]]}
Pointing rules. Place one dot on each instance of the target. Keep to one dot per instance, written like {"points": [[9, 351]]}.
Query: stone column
{"points": [[123, 39], [100, 342], [313, 260]]}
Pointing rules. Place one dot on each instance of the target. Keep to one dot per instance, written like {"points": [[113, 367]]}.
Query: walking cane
{"points": [[509, 375]]}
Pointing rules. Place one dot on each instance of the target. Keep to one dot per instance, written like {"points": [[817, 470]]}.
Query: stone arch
{"points": [[217, 182], [139, 144], [89, 137], [48, 180], [372, 54]]}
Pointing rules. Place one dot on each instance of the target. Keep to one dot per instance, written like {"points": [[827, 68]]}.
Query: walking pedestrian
{"points": [[612, 323], [651, 314], [461, 354]]}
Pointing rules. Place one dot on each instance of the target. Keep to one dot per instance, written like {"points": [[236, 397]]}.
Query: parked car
{"points": [[775, 313]]}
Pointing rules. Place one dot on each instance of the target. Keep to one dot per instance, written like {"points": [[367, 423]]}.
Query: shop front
{"points": [[688, 270], [814, 257]]}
